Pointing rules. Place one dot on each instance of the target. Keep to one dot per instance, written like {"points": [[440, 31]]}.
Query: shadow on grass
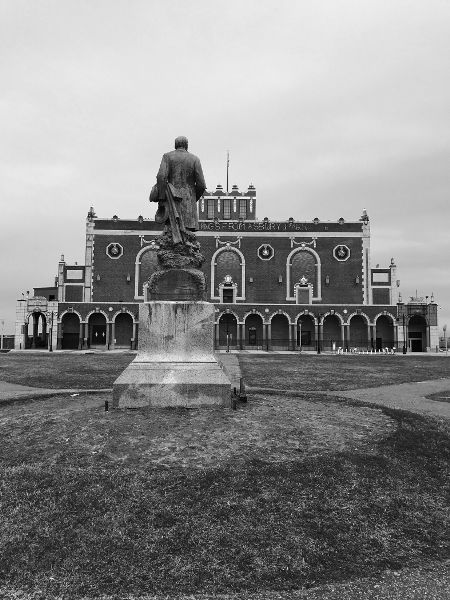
{"points": [[250, 526]]}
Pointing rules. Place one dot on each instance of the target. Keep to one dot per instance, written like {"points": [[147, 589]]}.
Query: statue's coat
{"points": [[184, 171]]}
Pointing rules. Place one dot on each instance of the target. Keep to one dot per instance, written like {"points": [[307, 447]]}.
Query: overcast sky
{"points": [[327, 107]]}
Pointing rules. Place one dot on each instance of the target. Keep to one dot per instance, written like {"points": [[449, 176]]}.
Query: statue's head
{"points": [[181, 142]]}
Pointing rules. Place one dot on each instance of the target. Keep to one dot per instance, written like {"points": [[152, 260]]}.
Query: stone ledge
{"points": [[176, 384]]}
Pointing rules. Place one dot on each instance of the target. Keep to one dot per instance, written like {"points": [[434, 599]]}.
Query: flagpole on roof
{"points": [[228, 166]]}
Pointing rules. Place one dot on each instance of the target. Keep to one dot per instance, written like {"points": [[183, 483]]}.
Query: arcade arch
{"points": [[331, 332], [358, 332], [228, 329], [97, 330], [279, 332], [70, 331], [123, 330], [254, 328], [306, 332], [384, 332], [36, 330], [417, 334]]}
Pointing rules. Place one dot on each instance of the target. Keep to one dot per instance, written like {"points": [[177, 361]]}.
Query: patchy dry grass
{"points": [[69, 370], [302, 372], [281, 494]]}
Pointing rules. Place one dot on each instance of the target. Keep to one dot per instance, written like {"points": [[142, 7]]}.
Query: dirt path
{"points": [[14, 391]]}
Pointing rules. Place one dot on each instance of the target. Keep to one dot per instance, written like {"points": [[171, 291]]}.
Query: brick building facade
{"points": [[275, 285]]}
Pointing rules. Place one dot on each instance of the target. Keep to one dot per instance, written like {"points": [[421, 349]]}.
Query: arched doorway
{"points": [[279, 332], [254, 331], [123, 330], [384, 332], [70, 331], [306, 338], [331, 332], [417, 334], [227, 330], [358, 333], [97, 330], [36, 330]]}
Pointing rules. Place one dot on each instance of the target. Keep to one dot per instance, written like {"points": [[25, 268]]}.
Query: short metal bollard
{"points": [[242, 394], [106, 406]]}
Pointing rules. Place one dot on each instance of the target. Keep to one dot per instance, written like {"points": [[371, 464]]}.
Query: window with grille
{"points": [[242, 209], [211, 206], [227, 208], [303, 264]]}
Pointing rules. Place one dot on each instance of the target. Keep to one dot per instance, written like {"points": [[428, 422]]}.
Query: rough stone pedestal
{"points": [[175, 364]]}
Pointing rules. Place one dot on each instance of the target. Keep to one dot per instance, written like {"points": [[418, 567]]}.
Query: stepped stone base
{"points": [[175, 365]]}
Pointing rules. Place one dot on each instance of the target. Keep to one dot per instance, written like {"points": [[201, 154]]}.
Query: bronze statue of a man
{"points": [[183, 171]]}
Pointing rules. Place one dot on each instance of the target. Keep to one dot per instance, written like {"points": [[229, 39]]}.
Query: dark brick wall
{"points": [[380, 296], [46, 292], [74, 293], [269, 276]]}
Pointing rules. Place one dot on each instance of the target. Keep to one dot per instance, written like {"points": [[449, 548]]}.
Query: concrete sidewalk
{"points": [[404, 396]]}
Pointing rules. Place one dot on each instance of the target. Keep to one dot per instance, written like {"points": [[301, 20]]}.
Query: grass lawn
{"points": [[284, 371], [58, 371], [298, 372], [281, 494]]}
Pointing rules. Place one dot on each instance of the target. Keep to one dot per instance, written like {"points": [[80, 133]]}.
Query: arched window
{"points": [[303, 264], [146, 265], [225, 264]]}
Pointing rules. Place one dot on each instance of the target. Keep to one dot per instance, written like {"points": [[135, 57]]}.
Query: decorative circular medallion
{"points": [[266, 252], [114, 250], [341, 252]]}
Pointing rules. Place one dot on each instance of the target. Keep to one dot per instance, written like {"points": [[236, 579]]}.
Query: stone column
{"points": [[316, 334], [291, 336], [35, 330], [216, 336], [238, 335], [133, 342], [342, 342], [59, 338], [369, 335], [346, 335], [269, 336], [427, 332], [44, 330], [113, 335], [108, 334], [80, 336]]}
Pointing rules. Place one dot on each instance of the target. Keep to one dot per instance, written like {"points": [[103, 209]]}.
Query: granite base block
{"points": [[177, 384], [175, 364]]}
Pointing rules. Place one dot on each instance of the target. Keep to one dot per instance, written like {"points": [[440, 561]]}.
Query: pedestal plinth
{"points": [[175, 364]]}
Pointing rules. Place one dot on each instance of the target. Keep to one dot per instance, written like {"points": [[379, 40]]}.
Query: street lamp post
{"points": [[50, 346], [445, 338], [2, 333], [404, 335]]}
